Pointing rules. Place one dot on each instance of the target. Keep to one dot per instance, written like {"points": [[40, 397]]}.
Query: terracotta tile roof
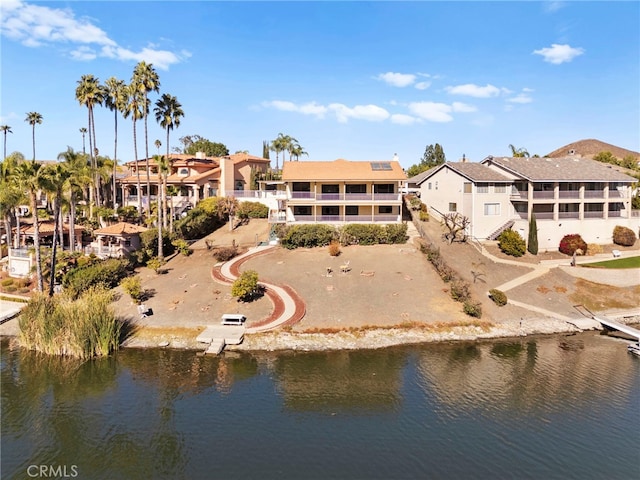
{"points": [[46, 228], [341, 170], [245, 157], [560, 169], [476, 172], [121, 229]]}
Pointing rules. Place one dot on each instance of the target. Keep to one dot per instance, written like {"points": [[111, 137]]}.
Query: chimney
{"points": [[464, 158], [396, 158], [200, 155]]}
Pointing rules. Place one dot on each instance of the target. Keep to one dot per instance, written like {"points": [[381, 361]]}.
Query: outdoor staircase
{"points": [[496, 233]]}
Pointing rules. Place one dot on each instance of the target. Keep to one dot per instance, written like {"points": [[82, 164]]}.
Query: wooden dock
{"points": [[218, 336], [621, 327]]}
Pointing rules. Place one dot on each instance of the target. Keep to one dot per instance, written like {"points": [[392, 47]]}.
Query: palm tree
{"points": [[11, 197], [172, 191], [29, 177], [146, 80], [518, 152], [5, 129], [277, 146], [79, 176], [83, 131], [162, 164], [90, 93], [115, 100], [56, 177], [158, 144], [33, 119], [168, 114], [134, 107], [296, 150]]}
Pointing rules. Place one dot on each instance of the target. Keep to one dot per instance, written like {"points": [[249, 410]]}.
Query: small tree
{"points": [[456, 225], [245, 286], [532, 245], [511, 243], [133, 287]]}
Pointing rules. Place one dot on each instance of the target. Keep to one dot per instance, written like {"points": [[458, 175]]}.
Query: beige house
{"points": [[337, 192], [567, 195], [195, 176], [117, 240]]}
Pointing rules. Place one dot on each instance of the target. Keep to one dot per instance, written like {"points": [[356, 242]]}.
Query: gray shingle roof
{"points": [[476, 172], [560, 169]]}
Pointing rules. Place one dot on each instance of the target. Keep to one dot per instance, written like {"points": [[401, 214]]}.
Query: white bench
{"points": [[616, 253]]}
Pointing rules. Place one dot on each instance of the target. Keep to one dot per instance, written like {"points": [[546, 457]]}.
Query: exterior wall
{"points": [[599, 231], [447, 187]]}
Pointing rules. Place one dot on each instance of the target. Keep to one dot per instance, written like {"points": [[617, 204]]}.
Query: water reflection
{"points": [[347, 381]]}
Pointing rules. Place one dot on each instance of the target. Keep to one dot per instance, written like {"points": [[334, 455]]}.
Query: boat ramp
{"points": [[218, 336]]}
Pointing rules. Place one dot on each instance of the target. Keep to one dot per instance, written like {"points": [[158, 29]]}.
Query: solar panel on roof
{"points": [[377, 166]]}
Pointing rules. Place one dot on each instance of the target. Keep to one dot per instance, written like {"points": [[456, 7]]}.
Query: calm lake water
{"points": [[541, 408]]}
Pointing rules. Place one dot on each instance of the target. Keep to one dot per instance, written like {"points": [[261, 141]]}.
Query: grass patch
{"points": [[409, 325], [629, 262], [596, 296], [13, 299]]}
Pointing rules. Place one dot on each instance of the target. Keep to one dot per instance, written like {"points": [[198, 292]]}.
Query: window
{"points": [[331, 188], [301, 210], [331, 210], [184, 171], [453, 207], [358, 188], [429, 185], [436, 185], [467, 187], [483, 188], [492, 209], [351, 210], [385, 209], [500, 188], [301, 187], [384, 188]]}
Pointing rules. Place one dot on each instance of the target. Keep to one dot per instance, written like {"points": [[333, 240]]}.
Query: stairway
{"points": [[496, 233]]}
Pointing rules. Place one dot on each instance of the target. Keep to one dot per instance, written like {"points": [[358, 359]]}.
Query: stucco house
{"points": [[337, 192], [567, 195], [196, 177]]}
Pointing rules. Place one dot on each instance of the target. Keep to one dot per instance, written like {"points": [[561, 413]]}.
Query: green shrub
{"points": [[199, 222], [6, 282], [415, 203], [127, 214], [133, 287], [312, 235], [511, 243], [424, 216], [149, 245], [105, 274], [362, 234], [182, 246], [245, 286], [498, 297], [252, 210], [624, 236], [396, 233], [571, 243], [10, 288], [473, 309], [156, 264], [460, 291]]}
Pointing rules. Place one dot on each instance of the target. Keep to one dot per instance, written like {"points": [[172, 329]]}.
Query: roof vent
{"points": [[572, 152], [200, 155]]}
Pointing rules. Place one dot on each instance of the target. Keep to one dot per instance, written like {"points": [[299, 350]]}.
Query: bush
{"points": [[156, 264], [133, 287], [396, 233], [511, 243], [312, 235], [460, 291], [571, 243], [624, 236], [594, 249], [182, 246], [334, 249], [362, 234], [224, 254], [415, 203], [6, 282], [199, 222], [245, 286], [149, 245], [104, 274], [424, 216], [127, 214], [10, 288], [252, 210], [498, 297], [473, 309]]}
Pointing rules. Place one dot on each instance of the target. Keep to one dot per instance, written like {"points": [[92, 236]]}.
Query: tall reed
{"points": [[83, 328]]}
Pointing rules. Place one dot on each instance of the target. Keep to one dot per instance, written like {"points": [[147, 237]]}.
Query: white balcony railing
{"points": [[594, 214], [569, 194], [542, 194], [567, 215], [594, 194], [543, 215]]}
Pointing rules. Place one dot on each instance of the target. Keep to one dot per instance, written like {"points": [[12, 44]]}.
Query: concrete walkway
{"points": [[288, 306]]}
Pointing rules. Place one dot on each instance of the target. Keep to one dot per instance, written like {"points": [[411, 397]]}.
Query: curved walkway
{"points": [[288, 306]]}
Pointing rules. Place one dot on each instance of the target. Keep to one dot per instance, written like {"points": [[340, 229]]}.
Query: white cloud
{"points": [[463, 107], [432, 111], [557, 54], [311, 108], [371, 113], [397, 79], [37, 26], [402, 119], [473, 90], [552, 6], [423, 85], [528, 90], [520, 98]]}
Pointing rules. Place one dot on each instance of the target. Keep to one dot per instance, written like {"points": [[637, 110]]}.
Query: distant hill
{"points": [[589, 148]]}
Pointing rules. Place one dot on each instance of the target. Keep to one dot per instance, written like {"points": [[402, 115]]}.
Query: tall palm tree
{"points": [[296, 150], [83, 131], [90, 93], [29, 177], [55, 177], [5, 129], [518, 152], [134, 107], [146, 80], [158, 144], [278, 146], [115, 100], [172, 191], [80, 175], [162, 164], [168, 114], [11, 196], [33, 119]]}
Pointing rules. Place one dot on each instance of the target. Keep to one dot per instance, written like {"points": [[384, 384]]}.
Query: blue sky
{"points": [[354, 80]]}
